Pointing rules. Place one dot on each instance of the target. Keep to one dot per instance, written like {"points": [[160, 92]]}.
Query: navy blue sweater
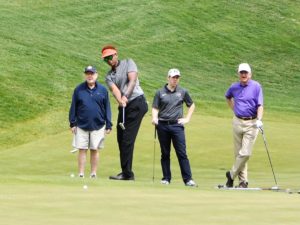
{"points": [[90, 108]]}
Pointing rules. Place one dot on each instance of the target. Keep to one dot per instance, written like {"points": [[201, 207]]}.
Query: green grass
{"points": [[149, 204], [36, 187], [46, 44]]}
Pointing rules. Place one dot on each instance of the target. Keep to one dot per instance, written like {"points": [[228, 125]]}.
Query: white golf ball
{"points": [[85, 187], [72, 175]]}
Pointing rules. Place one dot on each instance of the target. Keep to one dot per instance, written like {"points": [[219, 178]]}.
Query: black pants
{"points": [[174, 133], [134, 113]]}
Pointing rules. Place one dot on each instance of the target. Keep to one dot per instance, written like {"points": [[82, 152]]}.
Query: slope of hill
{"points": [[45, 46]]}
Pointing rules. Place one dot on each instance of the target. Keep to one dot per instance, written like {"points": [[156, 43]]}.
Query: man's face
{"points": [[111, 60], [244, 77], [173, 81], [91, 77]]}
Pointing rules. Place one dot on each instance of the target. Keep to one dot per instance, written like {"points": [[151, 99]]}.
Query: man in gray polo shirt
{"points": [[123, 81], [245, 98], [167, 116]]}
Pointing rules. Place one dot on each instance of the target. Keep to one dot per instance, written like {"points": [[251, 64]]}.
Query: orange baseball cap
{"points": [[108, 50]]}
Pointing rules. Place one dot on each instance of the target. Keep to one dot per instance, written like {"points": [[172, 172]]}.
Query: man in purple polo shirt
{"points": [[245, 98]]}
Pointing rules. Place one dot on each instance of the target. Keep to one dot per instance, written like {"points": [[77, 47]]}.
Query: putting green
{"points": [[36, 187]]}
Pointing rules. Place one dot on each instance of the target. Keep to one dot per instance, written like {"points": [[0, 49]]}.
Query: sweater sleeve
{"points": [[108, 122], [72, 112]]}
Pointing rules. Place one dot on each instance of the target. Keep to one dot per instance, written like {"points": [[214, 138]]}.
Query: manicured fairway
{"points": [[46, 44], [36, 187]]}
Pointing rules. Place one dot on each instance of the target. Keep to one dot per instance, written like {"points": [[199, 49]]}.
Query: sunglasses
{"points": [[107, 58]]}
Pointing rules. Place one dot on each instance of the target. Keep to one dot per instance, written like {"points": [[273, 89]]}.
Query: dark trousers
{"points": [[175, 133], [134, 113]]}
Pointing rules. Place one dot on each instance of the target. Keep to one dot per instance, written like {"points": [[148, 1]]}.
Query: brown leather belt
{"points": [[246, 118]]}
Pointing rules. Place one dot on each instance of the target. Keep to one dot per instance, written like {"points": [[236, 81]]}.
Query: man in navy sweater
{"points": [[90, 119]]}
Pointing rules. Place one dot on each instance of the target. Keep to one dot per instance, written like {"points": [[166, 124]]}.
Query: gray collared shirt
{"points": [[119, 77], [170, 103]]}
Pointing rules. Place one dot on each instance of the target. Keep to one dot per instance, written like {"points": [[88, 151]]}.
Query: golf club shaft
{"points": [[265, 142], [123, 115], [153, 167]]}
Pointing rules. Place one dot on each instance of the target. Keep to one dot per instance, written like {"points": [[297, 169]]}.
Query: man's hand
{"points": [[124, 101], [108, 131], [154, 121], [183, 121], [259, 124], [73, 130]]}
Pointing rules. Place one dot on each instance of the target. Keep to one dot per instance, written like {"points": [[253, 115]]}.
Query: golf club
{"points": [[265, 142], [74, 150], [122, 125], [274, 189], [153, 171]]}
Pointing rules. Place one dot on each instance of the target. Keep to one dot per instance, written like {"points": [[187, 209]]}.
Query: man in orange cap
{"points": [[122, 80]]}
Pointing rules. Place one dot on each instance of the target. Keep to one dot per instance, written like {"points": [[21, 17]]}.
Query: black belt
{"points": [[246, 118], [168, 122]]}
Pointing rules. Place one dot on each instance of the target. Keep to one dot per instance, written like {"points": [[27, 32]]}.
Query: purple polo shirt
{"points": [[246, 98]]}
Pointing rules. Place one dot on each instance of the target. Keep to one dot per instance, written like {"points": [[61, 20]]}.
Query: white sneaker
{"points": [[93, 175], [81, 175], [191, 183], [165, 182]]}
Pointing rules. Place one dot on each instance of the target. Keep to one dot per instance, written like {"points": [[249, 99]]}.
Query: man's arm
{"points": [[260, 112], [230, 102], [72, 114], [132, 77], [188, 116], [108, 123], [117, 94], [154, 116]]}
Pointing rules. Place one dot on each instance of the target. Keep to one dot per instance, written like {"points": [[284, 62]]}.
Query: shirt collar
{"points": [[166, 87], [96, 85], [247, 84]]}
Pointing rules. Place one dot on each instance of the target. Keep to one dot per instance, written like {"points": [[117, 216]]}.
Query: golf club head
{"points": [[275, 188], [122, 126], [74, 150]]}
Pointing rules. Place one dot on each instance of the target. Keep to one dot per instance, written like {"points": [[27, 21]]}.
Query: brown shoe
{"points": [[243, 184]]}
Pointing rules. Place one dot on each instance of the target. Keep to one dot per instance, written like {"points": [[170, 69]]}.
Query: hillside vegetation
{"points": [[46, 44]]}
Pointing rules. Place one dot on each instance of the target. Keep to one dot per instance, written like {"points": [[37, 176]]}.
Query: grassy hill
{"points": [[46, 44]]}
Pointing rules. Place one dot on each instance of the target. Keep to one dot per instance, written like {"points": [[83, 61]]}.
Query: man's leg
{"points": [[134, 113], [164, 138], [237, 143], [248, 142], [94, 161], [96, 143], [81, 143], [248, 139], [81, 161], [179, 143]]}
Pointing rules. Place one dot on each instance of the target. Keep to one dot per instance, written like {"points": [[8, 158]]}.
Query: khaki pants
{"points": [[244, 136]]}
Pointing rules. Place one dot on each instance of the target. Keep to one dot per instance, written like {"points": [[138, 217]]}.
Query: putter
{"points": [[265, 142], [274, 189], [122, 125], [74, 150], [154, 147]]}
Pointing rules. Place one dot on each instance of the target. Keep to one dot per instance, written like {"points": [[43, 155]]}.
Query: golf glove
{"points": [[259, 123]]}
